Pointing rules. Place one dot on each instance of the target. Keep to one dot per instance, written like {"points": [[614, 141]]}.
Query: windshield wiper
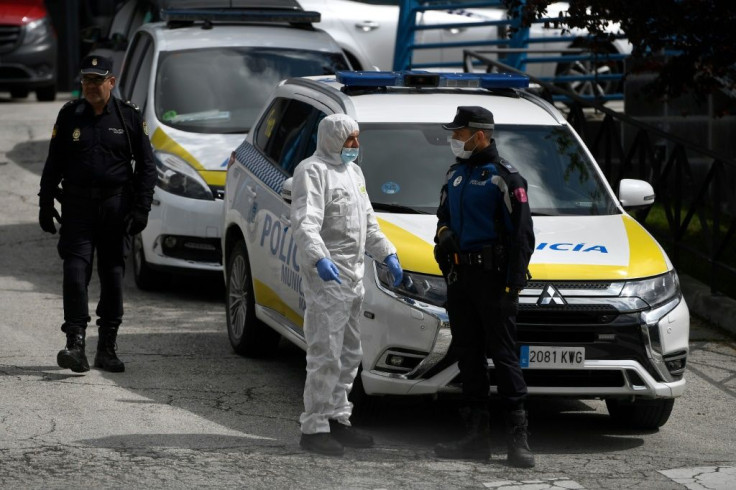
{"points": [[396, 208]]}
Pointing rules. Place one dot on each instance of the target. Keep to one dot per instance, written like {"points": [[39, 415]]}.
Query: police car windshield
{"points": [[222, 90], [403, 162]]}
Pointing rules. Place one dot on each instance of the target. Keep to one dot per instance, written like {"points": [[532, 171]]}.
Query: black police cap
{"points": [[471, 117], [96, 65]]}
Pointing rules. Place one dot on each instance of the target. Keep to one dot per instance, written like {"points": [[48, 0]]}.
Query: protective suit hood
{"points": [[332, 132]]}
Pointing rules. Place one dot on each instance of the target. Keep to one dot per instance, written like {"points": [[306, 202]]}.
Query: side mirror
{"points": [[286, 190], [635, 194], [91, 34]]}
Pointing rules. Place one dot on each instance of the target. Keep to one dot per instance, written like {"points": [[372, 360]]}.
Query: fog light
{"points": [[394, 360], [170, 242], [676, 363]]}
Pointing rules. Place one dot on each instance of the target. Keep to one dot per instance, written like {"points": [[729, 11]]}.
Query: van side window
{"points": [[289, 133]]}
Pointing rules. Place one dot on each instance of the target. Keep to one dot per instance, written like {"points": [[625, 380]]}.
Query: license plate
{"points": [[535, 356]]}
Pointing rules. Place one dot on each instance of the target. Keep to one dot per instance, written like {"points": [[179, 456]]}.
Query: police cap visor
{"points": [[471, 117], [96, 65]]}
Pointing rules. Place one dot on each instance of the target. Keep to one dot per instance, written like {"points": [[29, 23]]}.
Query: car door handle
{"points": [[367, 25], [251, 191]]}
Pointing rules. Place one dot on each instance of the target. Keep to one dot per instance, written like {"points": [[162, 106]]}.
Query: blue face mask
{"points": [[349, 154]]}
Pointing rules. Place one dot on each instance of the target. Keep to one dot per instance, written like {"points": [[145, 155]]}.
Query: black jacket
{"points": [[91, 151]]}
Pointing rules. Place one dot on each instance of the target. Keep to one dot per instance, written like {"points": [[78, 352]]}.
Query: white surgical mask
{"points": [[349, 154], [458, 148]]}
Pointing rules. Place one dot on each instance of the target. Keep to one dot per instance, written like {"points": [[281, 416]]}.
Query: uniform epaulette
{"points": [[130, 104], [71, 103], [509, 168]]}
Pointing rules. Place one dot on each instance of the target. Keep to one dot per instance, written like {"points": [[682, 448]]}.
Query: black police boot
{"points": [[475, 444], [350, 436], [73, 356], [322, 443], [106, 359], [519, 454]]}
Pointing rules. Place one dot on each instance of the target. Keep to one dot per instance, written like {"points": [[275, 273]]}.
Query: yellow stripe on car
{"points": [[415, 254], [163, 142], [265, 296]]}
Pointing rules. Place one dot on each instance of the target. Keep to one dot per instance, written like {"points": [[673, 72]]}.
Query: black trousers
{"points": [[89, 226], [481, 330]]}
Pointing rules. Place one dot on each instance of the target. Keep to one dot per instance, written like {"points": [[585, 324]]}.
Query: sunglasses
{"points": [[94, 80]]}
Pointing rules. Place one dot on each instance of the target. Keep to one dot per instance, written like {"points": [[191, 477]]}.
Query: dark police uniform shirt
{"points": [[91, 151], [484, 202]]}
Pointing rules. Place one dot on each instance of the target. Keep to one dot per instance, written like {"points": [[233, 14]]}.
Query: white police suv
{"points": [[200, 79], [603, 315]]}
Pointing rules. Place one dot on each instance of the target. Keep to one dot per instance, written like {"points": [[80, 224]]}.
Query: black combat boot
{"points": [[73, 356], [519, 454], [323, 443], [105, 358], [475, 444], [349, 436]]}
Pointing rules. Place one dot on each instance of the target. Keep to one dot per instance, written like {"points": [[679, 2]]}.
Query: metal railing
{"points": [[570, 54], [690, 181]]}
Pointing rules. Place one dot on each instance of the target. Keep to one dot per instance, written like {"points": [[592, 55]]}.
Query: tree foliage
{"points": [[690, 44]]}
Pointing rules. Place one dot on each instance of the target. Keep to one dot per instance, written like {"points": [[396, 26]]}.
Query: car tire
{"points": [[146, 278], [640, 414], [579, 68], [248, 335], [46, 94], [365, 406], [19, 93]]}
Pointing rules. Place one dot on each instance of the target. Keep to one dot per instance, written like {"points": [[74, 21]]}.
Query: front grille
{"points": [[13, 73], [585, 286], [9, 36], [567, 314]]}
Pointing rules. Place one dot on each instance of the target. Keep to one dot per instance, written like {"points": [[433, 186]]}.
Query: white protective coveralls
{"points": [[332, 217]]}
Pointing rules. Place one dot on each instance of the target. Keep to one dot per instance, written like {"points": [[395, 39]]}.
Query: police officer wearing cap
{"points": [[484, 242], [100, 154]]}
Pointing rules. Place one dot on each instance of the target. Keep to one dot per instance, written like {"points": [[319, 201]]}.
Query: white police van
{"points": [[200, 79], [603, 315]]}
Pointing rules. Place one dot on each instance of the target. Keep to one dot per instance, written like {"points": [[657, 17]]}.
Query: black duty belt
{"points": [[470, 258], [91, 192]]}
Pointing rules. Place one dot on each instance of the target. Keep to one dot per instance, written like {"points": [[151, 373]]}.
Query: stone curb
{"points": [[717, 309]]}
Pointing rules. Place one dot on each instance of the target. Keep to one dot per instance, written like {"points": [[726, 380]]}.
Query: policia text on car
{"points": [[102, 157]]}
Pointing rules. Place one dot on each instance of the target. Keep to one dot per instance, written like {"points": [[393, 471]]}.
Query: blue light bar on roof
{"points": [[377, 79], [241, 15]]}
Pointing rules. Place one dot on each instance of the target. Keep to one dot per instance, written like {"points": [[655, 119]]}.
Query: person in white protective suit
{"points": [[334, 226]]}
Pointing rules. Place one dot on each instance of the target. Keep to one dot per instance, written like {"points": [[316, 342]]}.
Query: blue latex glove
{"points": [[394, 268], [327, 270]]}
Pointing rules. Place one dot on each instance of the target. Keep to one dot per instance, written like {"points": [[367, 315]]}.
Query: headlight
{"points": [[421, 287], [654, 290], [37, 31], [178, 177]]}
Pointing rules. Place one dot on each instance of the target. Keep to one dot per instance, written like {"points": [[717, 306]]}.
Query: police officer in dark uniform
{"points": [[484, 242], [101, 156]]}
